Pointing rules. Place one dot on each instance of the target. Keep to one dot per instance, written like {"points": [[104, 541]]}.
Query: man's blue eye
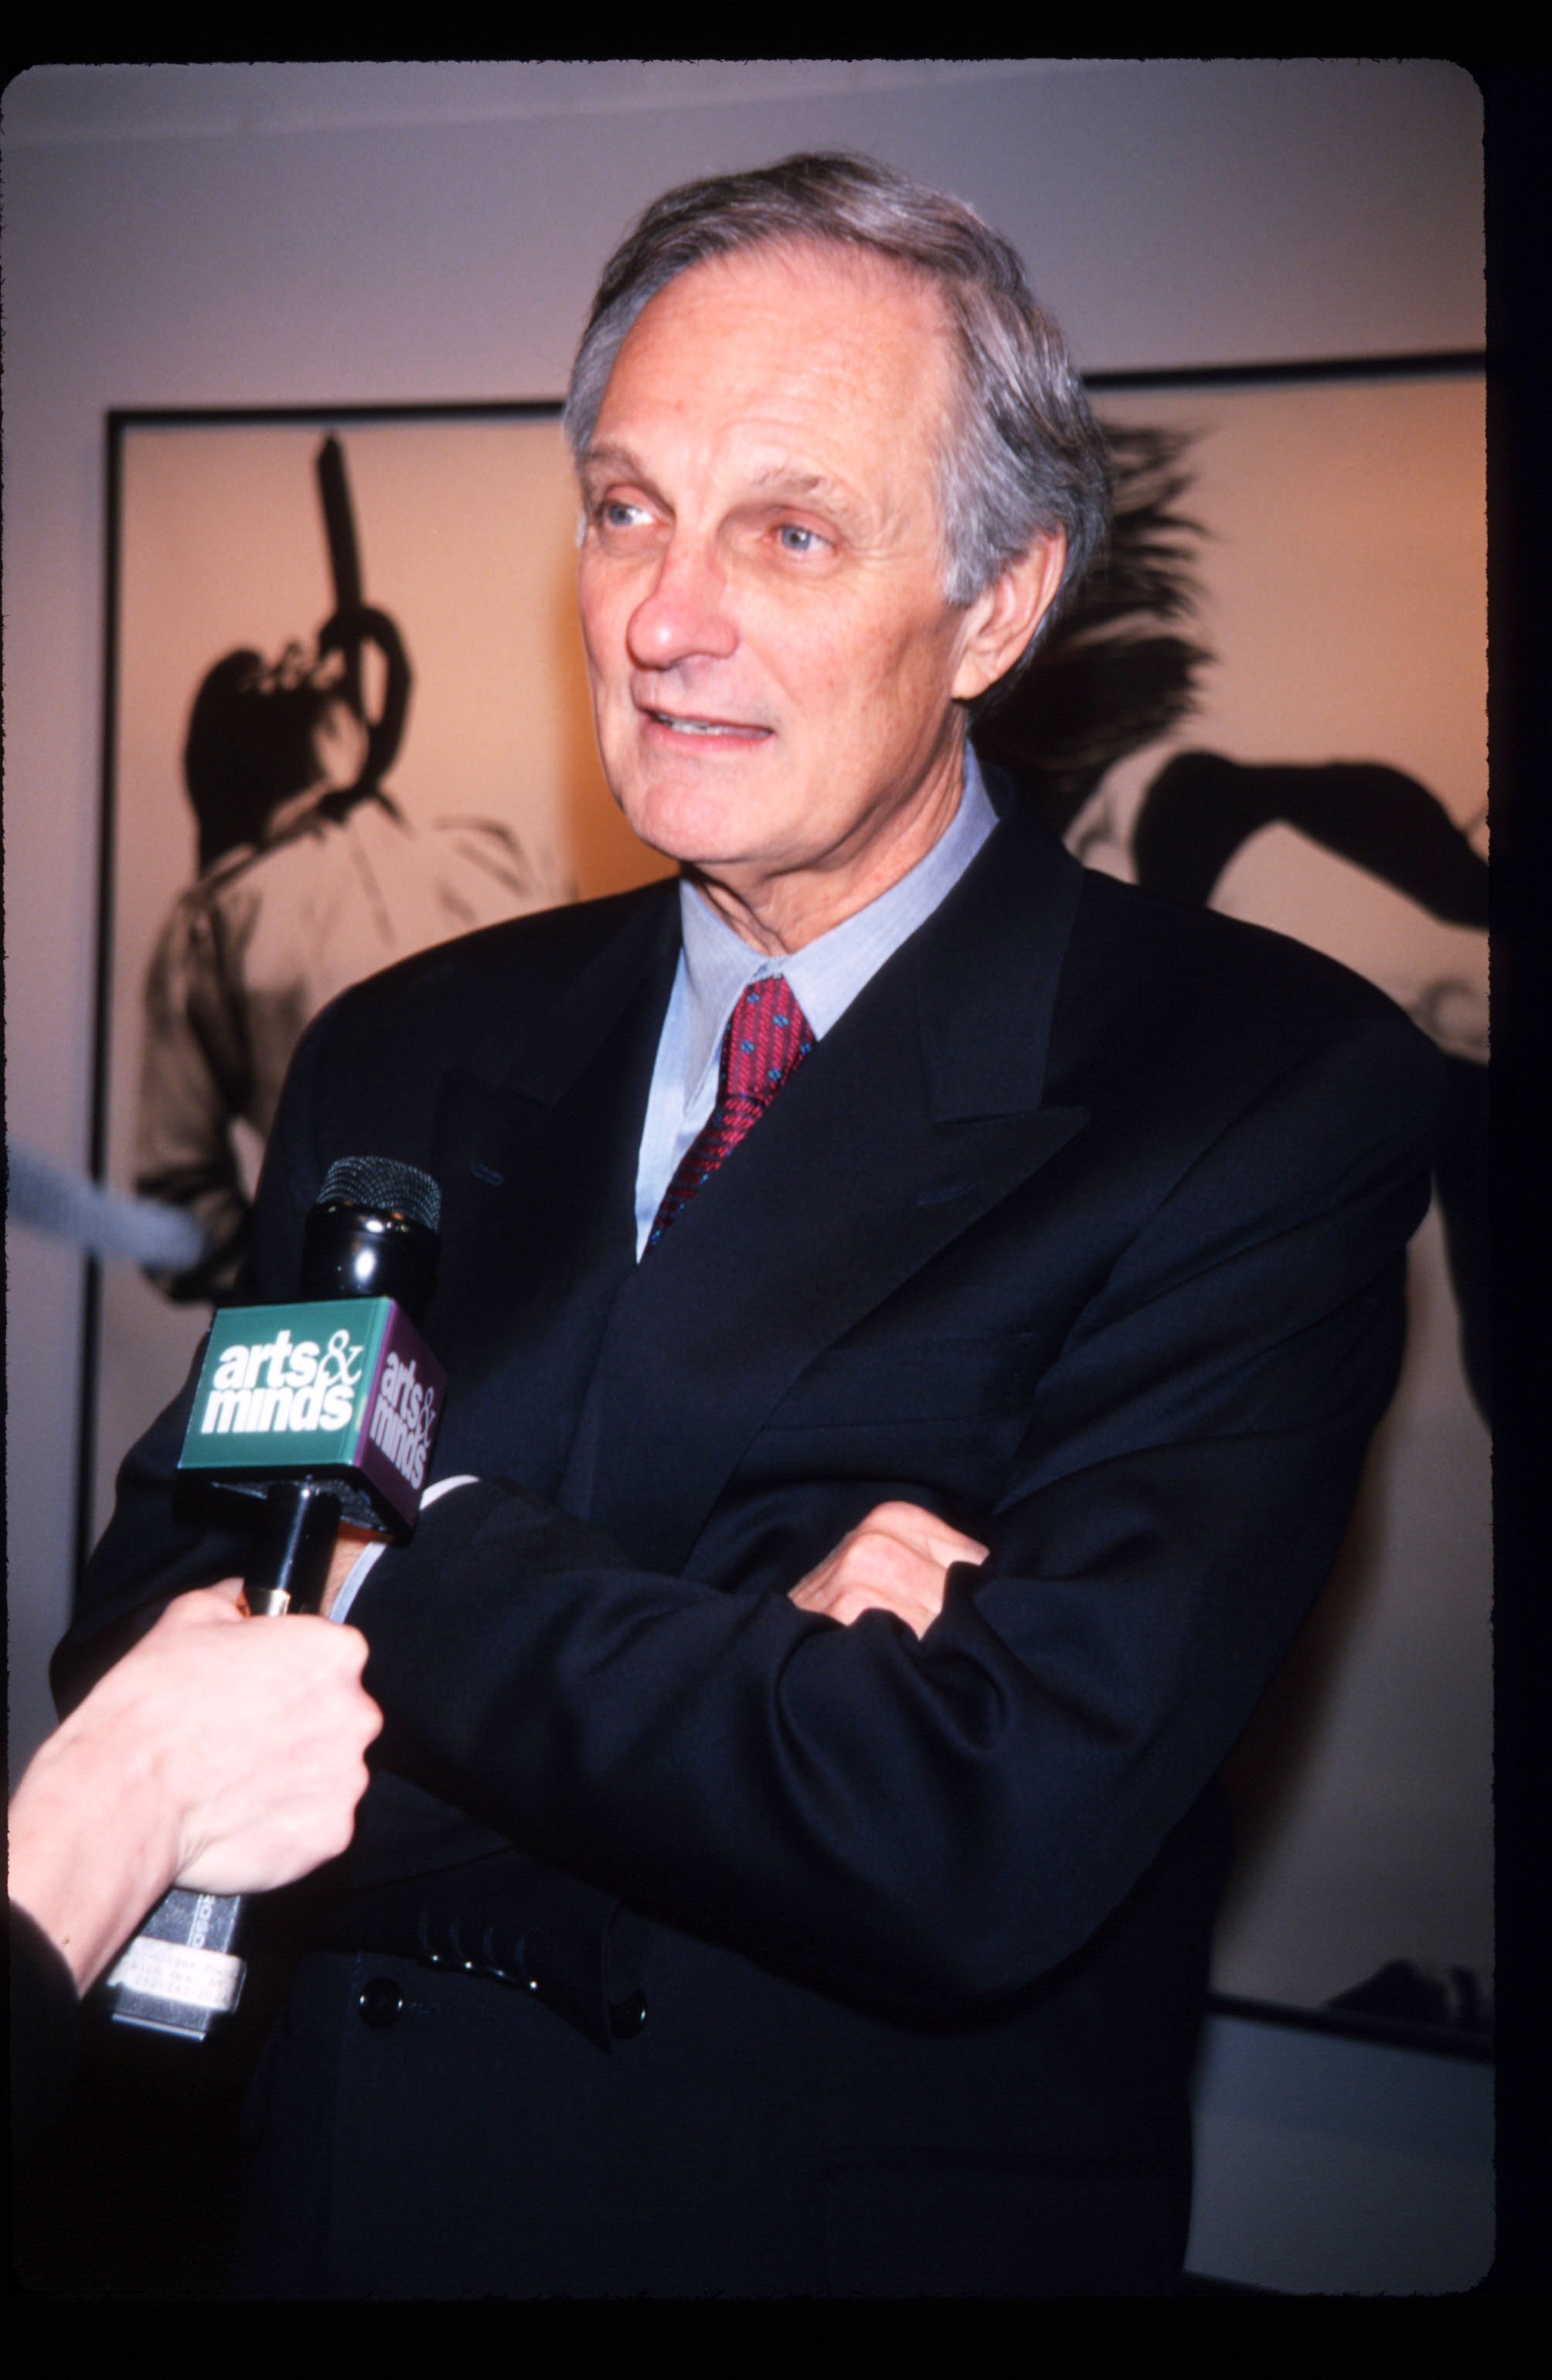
{"points": [[798, 540]]}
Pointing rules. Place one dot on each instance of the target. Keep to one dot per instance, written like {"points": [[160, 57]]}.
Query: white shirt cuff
{"points": [[360, 1573]]}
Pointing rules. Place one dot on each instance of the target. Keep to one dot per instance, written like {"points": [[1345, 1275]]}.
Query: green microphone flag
{"points": [[338, 1389]]}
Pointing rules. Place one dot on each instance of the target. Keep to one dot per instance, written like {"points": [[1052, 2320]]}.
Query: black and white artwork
{"points": [[309, 875]]}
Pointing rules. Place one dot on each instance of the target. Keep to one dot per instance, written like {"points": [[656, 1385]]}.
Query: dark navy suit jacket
{"points": [[1085, 1226]]}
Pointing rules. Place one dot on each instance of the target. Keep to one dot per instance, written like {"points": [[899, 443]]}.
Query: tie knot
{"points": [[767, 1036]]}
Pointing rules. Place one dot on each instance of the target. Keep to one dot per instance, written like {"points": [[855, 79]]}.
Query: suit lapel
{"points": [[539, 1179], [915, 1116]]}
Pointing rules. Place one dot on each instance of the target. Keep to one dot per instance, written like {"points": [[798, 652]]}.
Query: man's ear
{"points": [[1000, 623]]}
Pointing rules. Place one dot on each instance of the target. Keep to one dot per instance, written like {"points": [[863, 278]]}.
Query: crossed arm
{"points": [[897, 1560]]}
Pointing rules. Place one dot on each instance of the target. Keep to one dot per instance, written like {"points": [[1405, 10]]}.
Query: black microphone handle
{"points": [[288, 1572], [288, 1568]]}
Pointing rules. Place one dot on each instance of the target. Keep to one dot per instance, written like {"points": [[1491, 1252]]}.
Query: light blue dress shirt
{"points": [[826, 976]]}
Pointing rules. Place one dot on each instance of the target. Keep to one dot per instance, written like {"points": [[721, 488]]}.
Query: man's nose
{"points": [[688, 612]]}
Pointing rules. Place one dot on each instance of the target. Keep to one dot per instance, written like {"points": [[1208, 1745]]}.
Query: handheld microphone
{"points": [[323, 1410], [328, 1409]]}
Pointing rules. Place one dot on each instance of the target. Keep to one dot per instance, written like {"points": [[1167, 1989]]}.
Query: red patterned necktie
{"points": [[767, 1036]]}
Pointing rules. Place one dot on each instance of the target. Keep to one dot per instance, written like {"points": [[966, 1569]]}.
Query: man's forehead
{"points": [[778, 329]]}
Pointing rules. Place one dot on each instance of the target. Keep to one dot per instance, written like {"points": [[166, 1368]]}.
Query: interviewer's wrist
{"points": [[92, 1845]]}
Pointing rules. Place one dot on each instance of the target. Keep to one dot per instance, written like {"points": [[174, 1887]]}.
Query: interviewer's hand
{"points": [[897, 1560], [221, 1752]]}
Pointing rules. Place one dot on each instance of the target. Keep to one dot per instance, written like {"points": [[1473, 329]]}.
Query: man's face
{"points": [[773, 665]]}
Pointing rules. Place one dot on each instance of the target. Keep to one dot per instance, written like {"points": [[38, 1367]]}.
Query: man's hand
{"points": [[221, 1753], [897, 1560]]}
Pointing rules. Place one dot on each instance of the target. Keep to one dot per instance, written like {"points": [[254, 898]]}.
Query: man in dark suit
{"points": [[914, 1314]]}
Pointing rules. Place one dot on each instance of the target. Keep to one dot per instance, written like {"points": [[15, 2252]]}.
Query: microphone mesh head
{"points": [[385, 1186]]}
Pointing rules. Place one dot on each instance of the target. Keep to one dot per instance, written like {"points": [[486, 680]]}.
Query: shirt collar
{"points": [[827, 974]]}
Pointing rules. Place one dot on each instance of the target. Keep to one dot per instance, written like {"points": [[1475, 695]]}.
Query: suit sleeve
{"points": [[944, 1820]]}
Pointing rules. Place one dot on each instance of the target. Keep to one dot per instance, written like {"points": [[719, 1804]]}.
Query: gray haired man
{"points": [[915, 1313]]}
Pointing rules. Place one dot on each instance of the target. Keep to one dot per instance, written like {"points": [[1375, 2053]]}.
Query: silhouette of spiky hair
{"points": [[1119, 670]]}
